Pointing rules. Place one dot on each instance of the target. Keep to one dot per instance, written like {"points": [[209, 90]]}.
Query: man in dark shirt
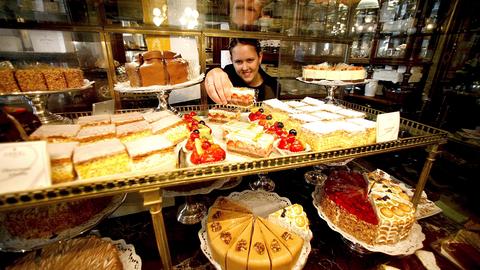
{"points": [[244, 72]]}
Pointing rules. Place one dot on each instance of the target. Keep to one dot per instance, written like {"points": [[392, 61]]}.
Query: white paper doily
{"points": [[129, 258], [407, 246], [331, 83], [125, 87], [261, 203], [18, 244]]}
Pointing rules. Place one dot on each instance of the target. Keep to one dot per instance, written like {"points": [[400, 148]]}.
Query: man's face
{"points": [[245, 12], [246, 62]]}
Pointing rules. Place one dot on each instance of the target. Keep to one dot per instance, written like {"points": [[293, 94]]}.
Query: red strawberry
{"points": [[297, 146], [283, 144]]}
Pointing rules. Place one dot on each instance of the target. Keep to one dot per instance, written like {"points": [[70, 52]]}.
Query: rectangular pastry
{"points": [[152, 153], [370, 126], [312, 101], [133, 131], [329, 107], [151, 117], [235, 126], [94, 120], [101, 158], [223, 115], [296, 120], [278, 109], [172, 127], [327, 116], [309, 109], [30, 80], [54, 78], [56, 133], [295, 104], [90, 134], [7, 81], [61, 161], [125, 118], [74, 77], [242, 96], [347, 113], [250, 144]]}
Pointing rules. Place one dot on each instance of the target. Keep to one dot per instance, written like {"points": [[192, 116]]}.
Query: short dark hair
{"points": [[245, 41]]}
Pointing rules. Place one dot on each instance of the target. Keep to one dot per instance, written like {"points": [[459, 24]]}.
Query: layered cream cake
{"points": [[240, 240], [242, 96], [347, 113], [309, 109], [327, 116], [323, 136], [312, 101], [125, 118], [61, 161], [295, 121], [223, 115], [370, 127], [94, 120], [151, 117], [91, 134], [250, 144], [376, 211], [152, 153], [329, 107], [172, 127], [80, 253], [338, 72], [295, 104], [56, 133], [101, 158], [292, 217], [278, 109], [133, 131]]}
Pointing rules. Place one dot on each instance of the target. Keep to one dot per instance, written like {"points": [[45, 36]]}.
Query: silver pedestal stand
{"points": [[38, 101]]}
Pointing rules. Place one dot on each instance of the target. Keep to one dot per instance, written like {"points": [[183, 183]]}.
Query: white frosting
{"points": [[362, 122], [327, 116], [330, 127], [99, 149], [303, 117], [151, 117], [61, 150], [46, 131], [279, 105], [309, 109], [351, 113], [94, 119], [329, 107], [165, 122], [126, 117], [93, 131], [295, 104], [129, 128], [146, 145], [312, 101]]}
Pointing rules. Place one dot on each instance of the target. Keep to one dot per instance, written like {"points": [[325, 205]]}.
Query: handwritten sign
{"points": [[388, 125], [23, 166]]}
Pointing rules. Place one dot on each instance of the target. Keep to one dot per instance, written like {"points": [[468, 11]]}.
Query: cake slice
{"points": [[125, 118], [292, 241], [237, 254], [61, 161], [172, 127], [295, 121], [250, 144], [235, 126], [370, 126], [152, 153], [258, 258], [220, 244], [227, 204], [347, 113], [94, 120], [329, 107], [91, 134], [321, 136], [101, 158], [278, 109], [309, 109], [327, 116], [242, 96], [216, 226], [151, 117], [293, 217], [56, 133], [133, 131], [280, 257], [312, 101], [295, 104], [223, 115]]}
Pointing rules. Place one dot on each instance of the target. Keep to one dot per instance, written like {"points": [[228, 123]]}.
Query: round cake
{"points": [[338, 72], [240, 240], [376, 211]]}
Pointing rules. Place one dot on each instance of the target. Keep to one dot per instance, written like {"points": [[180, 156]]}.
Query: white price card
{"points": [[24, 165], [388, 125]]}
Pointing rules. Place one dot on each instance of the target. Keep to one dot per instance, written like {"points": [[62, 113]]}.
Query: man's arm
{"points": [[218, 86]]}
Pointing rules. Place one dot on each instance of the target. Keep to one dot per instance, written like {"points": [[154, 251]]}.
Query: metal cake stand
{"points": [[162, 91], [331, 87], [38, 101]]}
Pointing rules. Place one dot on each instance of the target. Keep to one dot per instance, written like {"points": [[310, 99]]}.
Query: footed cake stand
{"points": [[162, 91], [38, 101], [331, 87]]}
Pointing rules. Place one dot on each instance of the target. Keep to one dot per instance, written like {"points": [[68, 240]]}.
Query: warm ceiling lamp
{"points": [[367, 4]]}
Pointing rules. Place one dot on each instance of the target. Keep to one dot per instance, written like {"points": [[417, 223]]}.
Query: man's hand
{"points": [[218, 86]]}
